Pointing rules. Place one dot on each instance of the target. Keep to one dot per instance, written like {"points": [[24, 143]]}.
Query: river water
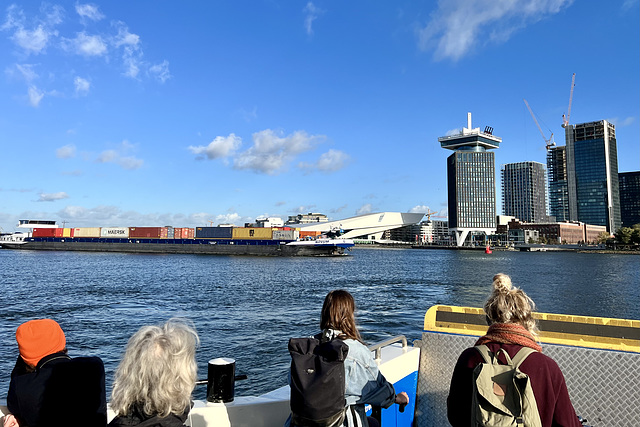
{"points": [[247, 307]]}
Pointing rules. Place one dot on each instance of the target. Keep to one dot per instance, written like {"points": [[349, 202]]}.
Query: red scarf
{"points": [[510, 333]]}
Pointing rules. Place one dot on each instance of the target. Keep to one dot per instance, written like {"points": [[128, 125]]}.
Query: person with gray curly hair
{"points": [[156, 376]]}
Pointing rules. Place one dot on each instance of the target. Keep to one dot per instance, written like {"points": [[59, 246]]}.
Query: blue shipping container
{"points": [[214, 232]]}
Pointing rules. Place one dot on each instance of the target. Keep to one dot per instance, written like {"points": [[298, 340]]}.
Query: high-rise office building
{"points": [[471, 181], [592, 174], [558, 191], [629, 198], [524, 191]]}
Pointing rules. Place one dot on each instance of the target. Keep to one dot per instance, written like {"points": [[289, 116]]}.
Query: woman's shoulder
{"points": [[358, 350]]}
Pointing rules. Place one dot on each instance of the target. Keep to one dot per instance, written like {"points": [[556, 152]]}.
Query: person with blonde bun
{"points": [[156, 376], [47, 386], [509, 313]]}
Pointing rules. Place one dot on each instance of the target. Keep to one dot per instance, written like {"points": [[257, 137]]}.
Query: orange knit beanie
{"points": [[39, 338]]}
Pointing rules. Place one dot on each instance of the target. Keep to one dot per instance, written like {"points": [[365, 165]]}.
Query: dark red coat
{"points": [[547, 382]]}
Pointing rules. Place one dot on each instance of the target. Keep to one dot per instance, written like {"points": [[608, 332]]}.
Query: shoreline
{"points": [[558, 248]]}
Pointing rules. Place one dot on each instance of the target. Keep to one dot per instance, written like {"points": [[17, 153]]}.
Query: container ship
{"points": [[220, 240]]}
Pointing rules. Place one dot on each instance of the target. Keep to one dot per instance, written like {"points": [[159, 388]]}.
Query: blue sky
{"points": [[179, 113]]}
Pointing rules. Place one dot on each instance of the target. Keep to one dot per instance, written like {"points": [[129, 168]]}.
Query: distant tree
{"points": [[635, 236], [623, 235], [543, 240], [602, 237], [531, 240]]}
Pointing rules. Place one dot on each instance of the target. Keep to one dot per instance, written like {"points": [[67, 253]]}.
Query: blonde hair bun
{"points": [[501, 283]]}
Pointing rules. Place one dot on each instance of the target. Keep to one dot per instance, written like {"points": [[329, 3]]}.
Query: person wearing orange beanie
{"points": [[39, 338], [46, 380]]}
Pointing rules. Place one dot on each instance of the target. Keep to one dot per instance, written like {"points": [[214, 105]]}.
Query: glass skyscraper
{"points": [[592, 163], [629, 198], [558, 190], [471, 181], [524, 191]]}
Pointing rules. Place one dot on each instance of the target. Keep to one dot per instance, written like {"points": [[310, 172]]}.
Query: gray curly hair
{"points": [[157, 373]]}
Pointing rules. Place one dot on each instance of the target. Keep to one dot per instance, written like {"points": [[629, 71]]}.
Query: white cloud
{"points": [[89, 11], [628, 4], [459, 26], [232, 218], [35, 96], [331, 161], [124, 37], [66, 152], [364, 209], [312, 13], [118, 156], [35, 39], [420, 209], [221, 146], [271, 153], [52, 197], [88, 45], [160, 71], [26, 71], [132, 53], [82, 85]]}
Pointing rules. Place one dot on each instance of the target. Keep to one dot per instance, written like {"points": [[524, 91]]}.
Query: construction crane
{"points": [[549, 142], [428, 214], [565, 120]]}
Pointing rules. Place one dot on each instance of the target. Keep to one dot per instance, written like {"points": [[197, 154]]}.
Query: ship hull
{"points": [[177, 246]]}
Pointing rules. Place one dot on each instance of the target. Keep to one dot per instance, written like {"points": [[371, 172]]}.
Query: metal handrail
{"points": [[377, 347]]}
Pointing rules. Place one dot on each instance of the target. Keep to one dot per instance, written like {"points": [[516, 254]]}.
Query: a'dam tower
{"points": [[471, 182]]}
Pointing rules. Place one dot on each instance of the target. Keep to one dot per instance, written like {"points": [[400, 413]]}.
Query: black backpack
{"points": [[317, 382]]}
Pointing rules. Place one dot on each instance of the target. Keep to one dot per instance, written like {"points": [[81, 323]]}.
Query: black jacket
{"points": [[61, 391], [139, 419]]}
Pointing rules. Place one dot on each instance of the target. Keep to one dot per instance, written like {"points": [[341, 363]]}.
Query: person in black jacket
{"points": [[156, 377], [46, 382]]}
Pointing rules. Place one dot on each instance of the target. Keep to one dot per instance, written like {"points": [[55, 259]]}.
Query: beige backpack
{"points": [[502, 394]]}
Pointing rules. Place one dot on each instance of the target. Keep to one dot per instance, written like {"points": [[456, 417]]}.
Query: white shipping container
{"points": [[285, 234], [118, 232]]}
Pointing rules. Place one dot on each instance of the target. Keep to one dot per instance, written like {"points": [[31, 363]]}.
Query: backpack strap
{"points": [[517, 360], [487, 356], [521, 355]]}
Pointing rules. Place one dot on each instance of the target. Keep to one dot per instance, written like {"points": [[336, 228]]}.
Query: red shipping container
{"points": [[45, 232], [177, 233], [188, 233], [59, 232], [145, 232]]}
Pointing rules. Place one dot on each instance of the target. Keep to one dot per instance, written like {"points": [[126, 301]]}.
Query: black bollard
{"points": [[221, 380]]}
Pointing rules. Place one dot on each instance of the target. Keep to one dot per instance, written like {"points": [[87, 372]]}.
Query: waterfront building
{"points": [[431, 232], [366, 227], [520, 236], [471, 182], [309, 218], [592, 174], [524, 191], [558, 190], [562, 232], [629, 198]]}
